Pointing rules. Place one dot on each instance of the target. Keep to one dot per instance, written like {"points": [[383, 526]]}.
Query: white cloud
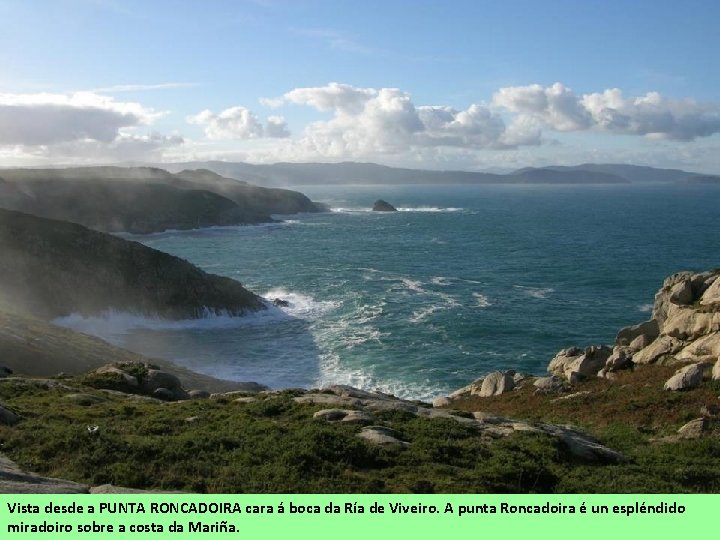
{"points": [[376, 121], [238, 123], [558, 108], [46, 119]]}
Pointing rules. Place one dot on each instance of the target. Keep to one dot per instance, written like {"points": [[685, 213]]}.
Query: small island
{"points": [[383, 206]]}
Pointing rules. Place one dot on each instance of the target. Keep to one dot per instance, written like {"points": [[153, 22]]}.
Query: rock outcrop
{"points": [[383, 206]]}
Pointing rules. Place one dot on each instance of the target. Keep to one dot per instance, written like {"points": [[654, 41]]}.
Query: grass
{"points": [[274, 444]]}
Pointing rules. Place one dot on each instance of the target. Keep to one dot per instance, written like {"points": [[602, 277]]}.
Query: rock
{"points": [[583, 446], [549, 385], [716, 371], [357, 417], [619, 359], [5, 372], [440, 402], [689, 323], [164, 394], [694, 429], [198, 394], [587, 364], [7, 417], [681, 293], [331, 415], [702, 282], [686, 378], [383, 206], [123, 377], [192, 419], [156, 378], [14, 480], [495, 383], [350, 391], [381, 436], [661, 347], [650, 329], [712, 294], [639, 343], [85, 399], [562, 359], [246, 399], [663, 305], [327, 399], [279, 302], [706, 348]]}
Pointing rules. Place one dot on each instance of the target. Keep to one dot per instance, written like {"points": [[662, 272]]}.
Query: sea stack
{"points": [[383, 206]]}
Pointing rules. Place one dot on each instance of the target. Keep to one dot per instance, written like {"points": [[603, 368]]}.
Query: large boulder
{"points": [[716, 371], [563, 359], [649, 329], [659, 349], [706, 348], [549, 385], [689, 323], [664, 297], [712, 294], [496, 383], [8, 417], [381, 436], [686, 378]]}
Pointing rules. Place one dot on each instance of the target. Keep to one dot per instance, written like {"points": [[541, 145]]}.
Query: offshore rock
{"points": [[383, 206]]}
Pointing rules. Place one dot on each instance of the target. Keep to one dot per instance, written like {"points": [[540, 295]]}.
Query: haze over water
{"points": [[462, 281]]}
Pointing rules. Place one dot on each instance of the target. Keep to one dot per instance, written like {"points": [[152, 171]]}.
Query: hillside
{"points": [[142, 199], [52, 268], [298, 174]]}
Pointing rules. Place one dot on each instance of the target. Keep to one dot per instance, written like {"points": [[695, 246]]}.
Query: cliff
{"points": [[53, 268], [143, 200]]}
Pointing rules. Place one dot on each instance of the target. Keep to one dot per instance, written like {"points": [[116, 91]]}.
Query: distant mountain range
{"points": [[298, 174]]}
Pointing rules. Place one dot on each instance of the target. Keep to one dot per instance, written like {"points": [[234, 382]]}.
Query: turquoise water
{"points": [[462, 281]]}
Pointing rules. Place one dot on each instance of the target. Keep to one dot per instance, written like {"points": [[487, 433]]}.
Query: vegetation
{"points": [[273, 444]]}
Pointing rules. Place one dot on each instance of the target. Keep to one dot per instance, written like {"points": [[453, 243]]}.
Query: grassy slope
{"points": [[274, 444]]}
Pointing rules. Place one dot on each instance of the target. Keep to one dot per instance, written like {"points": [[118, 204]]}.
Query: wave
{"points": [[362, 210], [645, 308], [541, 293], [482, 300], [112, 324], [442, 281], [333, 372]]}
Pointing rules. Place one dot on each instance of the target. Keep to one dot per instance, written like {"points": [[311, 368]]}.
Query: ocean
{"points": [[463, 280]]}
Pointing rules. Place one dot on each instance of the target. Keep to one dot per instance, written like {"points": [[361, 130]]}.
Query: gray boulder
{"points": [[686, 378], [549, 385], [381, 436], [383, 206], [7, 417], [496, 383], [657, 350], [650, 329]]}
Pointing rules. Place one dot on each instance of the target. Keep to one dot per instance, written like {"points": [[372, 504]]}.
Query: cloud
{"points": [[46, 119], [558, 108], [372, 121], [238, 123]]}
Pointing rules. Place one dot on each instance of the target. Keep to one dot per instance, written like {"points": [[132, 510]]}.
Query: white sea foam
{"points": [[482, 300], [300, 305], [442, 281], [645, 308], [535, 292], [429, 209], [332, 371]]}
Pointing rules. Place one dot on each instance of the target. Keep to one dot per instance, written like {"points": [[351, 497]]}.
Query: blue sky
{"points": [[454, 84]]}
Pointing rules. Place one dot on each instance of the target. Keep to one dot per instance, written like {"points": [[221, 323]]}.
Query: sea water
{"points": [[463, 280]]}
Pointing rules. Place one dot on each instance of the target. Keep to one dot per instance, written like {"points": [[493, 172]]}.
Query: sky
{"points": [[472, 85]]}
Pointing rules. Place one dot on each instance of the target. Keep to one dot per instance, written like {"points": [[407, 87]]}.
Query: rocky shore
{"points": [[684, 332]]}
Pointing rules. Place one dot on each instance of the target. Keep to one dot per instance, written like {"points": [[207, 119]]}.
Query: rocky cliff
{"points": [[53, 268]]}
